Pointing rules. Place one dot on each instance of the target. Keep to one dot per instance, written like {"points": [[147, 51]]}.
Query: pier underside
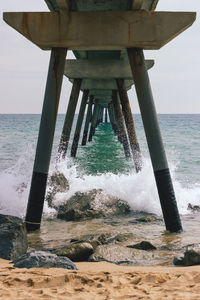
{"points": [[107, 39]]}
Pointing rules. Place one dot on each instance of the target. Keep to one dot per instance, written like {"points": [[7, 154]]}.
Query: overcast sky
{"points": [[175, 78]]}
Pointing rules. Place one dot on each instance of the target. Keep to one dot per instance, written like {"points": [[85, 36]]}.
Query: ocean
{"points": [[101, 165]]}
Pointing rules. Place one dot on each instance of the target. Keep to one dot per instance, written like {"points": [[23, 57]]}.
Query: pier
{"points": [[107, 39]]}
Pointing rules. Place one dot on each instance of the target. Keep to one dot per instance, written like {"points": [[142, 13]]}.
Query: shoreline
{"points": [[98, 281]]}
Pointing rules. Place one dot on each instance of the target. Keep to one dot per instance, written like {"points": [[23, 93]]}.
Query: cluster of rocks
{"points": [[94, 248], [14, 245]]}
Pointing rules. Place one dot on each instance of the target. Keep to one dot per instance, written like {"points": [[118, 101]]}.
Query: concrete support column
{"points": [[99, 118], [79, 123], [112, 118], [106, 115], [94, 120], [120, 123], [64, 141], [154, 140], [87, 121], [130, 126], [101, 115], [45, 139]]}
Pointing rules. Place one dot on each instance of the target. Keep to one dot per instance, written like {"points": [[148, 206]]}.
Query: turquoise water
{"points": [[181, 135], [101, 165]]}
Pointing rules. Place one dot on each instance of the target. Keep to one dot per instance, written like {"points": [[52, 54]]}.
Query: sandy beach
{"points": [[99, 281]]}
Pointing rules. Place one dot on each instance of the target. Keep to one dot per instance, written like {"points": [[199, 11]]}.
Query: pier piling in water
{"points": [[79, 123], [120, 121], [106, 115], [64, 141], [130, 126], [94, 120], [87, 120], [154, 140], [45, 139]]}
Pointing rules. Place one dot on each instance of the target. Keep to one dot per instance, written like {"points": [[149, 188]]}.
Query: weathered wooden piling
{"points": [[45, 139], [87, 120], [154, 140], [120, 123], [64, 141], [79, 123], [130, 126]]}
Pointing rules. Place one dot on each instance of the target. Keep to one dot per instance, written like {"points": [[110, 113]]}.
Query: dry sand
{"points": [[95, 281]]}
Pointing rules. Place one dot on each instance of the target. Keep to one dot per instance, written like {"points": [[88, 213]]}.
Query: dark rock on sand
{"points": [[119, 254], [57, 184], [41, 259], [190, 258], [75, 251], [13, 238], [144, 245], [92, 204]]}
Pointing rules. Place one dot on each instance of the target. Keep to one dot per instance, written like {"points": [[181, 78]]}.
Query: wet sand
{"points": [[96, 281]]}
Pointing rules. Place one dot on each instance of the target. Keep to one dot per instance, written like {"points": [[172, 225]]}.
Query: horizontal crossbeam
{"points": [[100, 69], [103, 84], [110, 30]]}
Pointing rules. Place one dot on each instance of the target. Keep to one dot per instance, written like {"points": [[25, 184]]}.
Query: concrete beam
{"points": [[56, 5], [103, 5], [110, 30], [100, 93], [102, 84], [100, 69], [137, 4]]}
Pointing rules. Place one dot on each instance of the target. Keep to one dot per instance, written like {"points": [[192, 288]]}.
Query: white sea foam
{"points": [[139, 190]]}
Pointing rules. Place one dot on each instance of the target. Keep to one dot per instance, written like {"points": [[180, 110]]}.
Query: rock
{"points": [[193, 208], [190, 258], [178, 261], [13, 237], [92, 204], [57, 184], [75, 251], [103, 239], [145, 219], [144, 245], [119, 254], [41, 259]]}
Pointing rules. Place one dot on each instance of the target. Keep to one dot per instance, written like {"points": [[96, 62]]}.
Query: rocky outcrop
{"points": [[190, 258], [121, 255], [57, 183], [144, 245], [41, 259], [13, 238], [92, 204], [74, 251], [102, 239]]}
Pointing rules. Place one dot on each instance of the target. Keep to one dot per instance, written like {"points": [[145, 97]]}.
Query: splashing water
{"points": [[90, 170]]}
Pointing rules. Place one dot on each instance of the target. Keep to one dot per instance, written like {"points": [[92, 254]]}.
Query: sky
{"points": [[175, 78]]}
